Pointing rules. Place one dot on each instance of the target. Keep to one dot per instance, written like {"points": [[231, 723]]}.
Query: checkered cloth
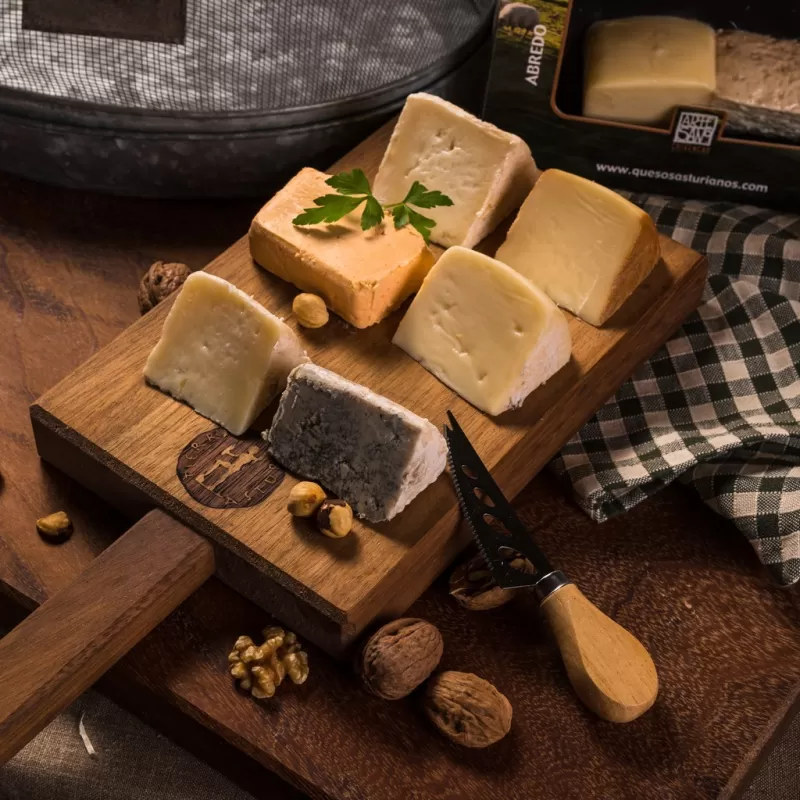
{"points": [[718, 407]]}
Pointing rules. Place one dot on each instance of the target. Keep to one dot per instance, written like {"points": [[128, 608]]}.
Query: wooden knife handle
{"points": [[608, 667], [64, 646]]}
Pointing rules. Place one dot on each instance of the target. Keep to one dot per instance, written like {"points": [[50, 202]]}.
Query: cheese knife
{"points": [[609, 668]]}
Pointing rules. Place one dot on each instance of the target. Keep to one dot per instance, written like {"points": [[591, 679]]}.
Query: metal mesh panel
{"points": [[242, 55]]}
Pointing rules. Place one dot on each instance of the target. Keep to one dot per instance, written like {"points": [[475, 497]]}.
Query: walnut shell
{"points": [[160, 281], [472, 585], [467, 709], [400, 656]]}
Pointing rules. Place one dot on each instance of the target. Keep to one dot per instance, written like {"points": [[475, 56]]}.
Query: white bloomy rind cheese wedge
{"points": [[222, 353], [583, 244], [485, 171], [484, 330], [366, 449], [638, 69]]}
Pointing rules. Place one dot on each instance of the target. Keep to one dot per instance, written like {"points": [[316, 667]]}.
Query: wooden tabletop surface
{"points": [[724, 640]]}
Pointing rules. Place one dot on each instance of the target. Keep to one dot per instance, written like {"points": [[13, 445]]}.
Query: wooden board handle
{"points": [[608, 667], [64, 646]]}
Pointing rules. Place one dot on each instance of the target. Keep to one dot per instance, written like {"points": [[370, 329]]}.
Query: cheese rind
{"points": [[639, 68], [758, 84], [581, 243], [485, 171], [366, 449], [484, 330], [222, 352], [362, 275]]}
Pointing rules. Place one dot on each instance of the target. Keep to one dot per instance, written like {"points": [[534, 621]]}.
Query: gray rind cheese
{"points": [[758, 84], [366, 449]]}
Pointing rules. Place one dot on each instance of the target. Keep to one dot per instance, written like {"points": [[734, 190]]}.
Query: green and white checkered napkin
{"points": [[718, 407]]}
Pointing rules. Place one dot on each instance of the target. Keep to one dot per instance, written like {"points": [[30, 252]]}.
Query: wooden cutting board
{"points": [[140, 449], [684, 580]]}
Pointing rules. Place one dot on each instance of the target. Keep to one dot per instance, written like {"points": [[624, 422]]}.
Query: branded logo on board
{"points": [[224, 471], [694, 131]]}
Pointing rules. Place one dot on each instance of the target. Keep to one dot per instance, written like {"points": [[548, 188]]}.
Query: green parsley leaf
{"points": [[354, 182], [373, 214], [418, 195], [400, 214], [330, 208], [423, 224]]}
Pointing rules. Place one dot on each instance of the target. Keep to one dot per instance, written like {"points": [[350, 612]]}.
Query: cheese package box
{"points": [[366, 449], [638, 69], [361, 275], [485, 171], [584, 245], [222, 353], [484, 330], [758, 83], [698, 100]]}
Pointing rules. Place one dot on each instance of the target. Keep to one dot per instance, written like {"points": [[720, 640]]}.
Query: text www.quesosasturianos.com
{"points": [[682, 177]]}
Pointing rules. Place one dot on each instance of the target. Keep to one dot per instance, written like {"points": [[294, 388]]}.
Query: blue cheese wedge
{"points": [[364, 448], [222, 353]]}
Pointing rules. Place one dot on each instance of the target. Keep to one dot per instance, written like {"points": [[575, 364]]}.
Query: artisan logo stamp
{"points": [[224, 471], [695, 131]]}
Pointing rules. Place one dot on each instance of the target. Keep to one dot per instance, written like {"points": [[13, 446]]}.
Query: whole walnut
{"points": [[467, 709], [399, 657], [160, 281]]}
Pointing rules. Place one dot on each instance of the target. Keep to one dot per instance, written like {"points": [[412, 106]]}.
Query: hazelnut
{"points": [[305, 499], [467, 709], [160, 281], [399, 656], [310, 310], [335, 518], [56, 527]]}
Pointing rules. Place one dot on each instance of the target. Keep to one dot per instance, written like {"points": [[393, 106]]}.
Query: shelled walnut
{"points": [[472, 584], [160, 281], [260, 669], [399, 657], [467, 709]]}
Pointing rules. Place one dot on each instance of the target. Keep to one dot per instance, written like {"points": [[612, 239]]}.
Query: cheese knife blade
{"points": [[497, 529]]}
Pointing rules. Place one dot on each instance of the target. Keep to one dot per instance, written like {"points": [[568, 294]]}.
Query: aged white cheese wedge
{"points": [[638, 69], [484, 330], [583, 244], [758, 83], [222, 352], [367, 450], [485, 171]]}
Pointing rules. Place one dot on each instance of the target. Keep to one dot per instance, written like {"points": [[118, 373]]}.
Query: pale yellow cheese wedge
{"points": [[361, 275], [484, 330], [639, 68], [222, 353], [485, 171], [581, 243]]}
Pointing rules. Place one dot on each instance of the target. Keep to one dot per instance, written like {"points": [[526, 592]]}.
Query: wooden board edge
{"points": [[111, 476], [760, 750]]}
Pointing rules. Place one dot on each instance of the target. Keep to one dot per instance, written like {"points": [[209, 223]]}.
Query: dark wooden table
{"points": [[724, 640]]}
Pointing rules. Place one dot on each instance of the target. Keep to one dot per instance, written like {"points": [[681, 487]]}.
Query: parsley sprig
{"points": [[353, 189]]}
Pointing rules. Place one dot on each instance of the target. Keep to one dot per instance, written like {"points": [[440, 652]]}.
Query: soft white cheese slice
{"points": [[484, 330], [485, 171], [366, 449], [222, 352], [639, 68], [583, 244]]}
